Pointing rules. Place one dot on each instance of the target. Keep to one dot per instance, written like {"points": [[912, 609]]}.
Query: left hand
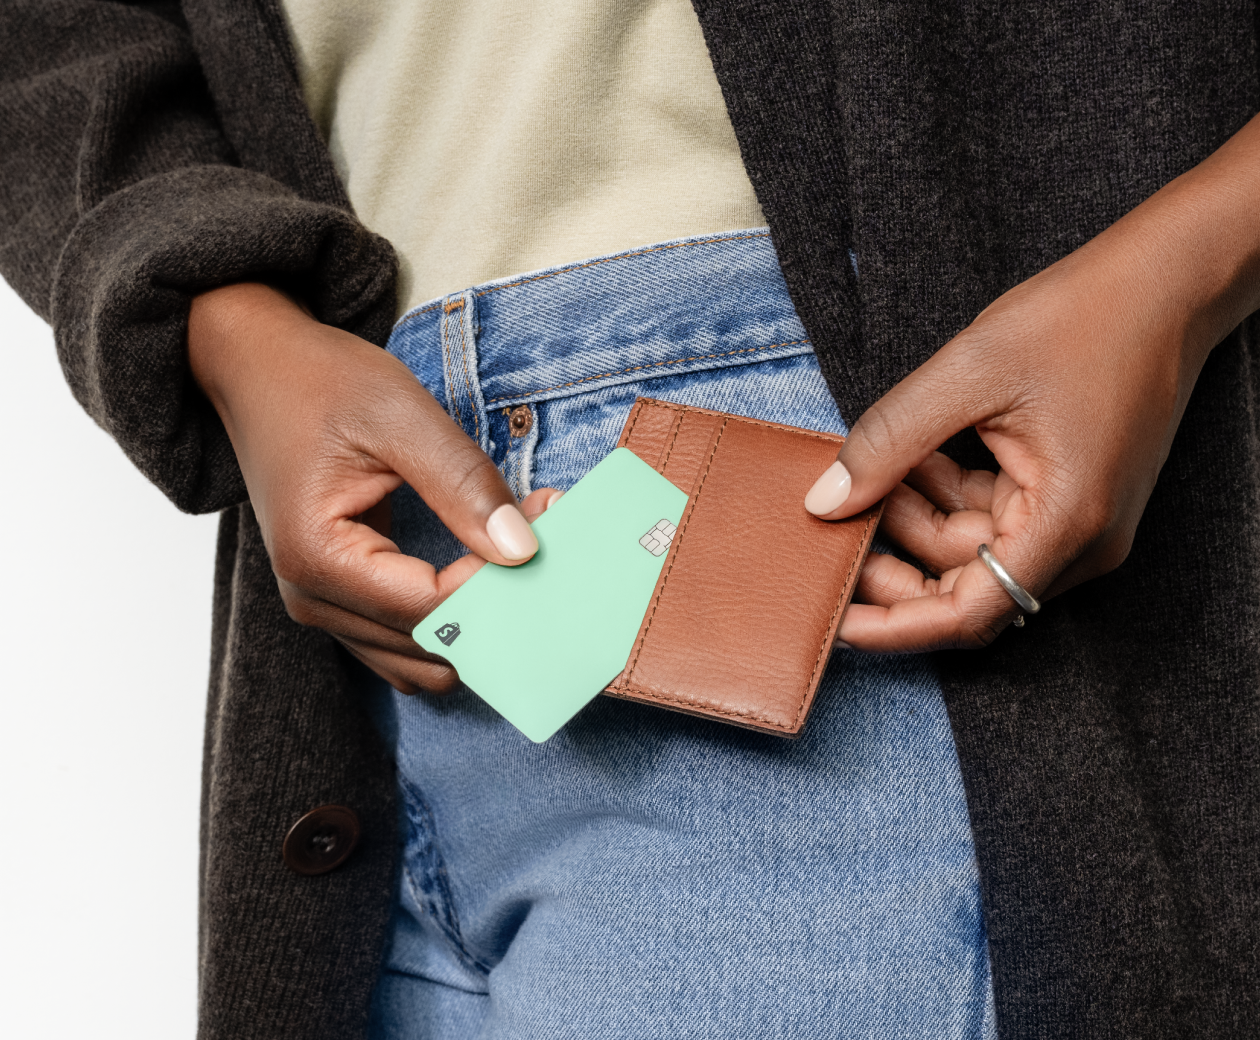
{"points": [[1076, 380]]}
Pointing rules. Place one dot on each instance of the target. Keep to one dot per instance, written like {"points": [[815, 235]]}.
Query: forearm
{"points": [[121, 201], [1190, 254]]}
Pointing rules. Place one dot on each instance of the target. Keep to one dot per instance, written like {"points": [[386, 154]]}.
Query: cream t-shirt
{"points": [[485, 138]]}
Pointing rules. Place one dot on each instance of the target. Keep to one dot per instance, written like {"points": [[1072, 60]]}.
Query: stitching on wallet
{"points": [[678, 543], [707, 708], [628, 686], [669, 448], [635, 412], [822, 650], [640, 368]]}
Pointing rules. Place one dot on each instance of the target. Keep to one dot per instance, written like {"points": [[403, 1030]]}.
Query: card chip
{"points": [[657, 540]]}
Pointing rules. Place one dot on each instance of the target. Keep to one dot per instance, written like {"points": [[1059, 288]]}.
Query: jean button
{"points": [[321, 840], [520, 420]]}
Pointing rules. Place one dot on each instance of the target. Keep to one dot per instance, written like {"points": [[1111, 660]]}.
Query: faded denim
{"points": [[645, 873]]}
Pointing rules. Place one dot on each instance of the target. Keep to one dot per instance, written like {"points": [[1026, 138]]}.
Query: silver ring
{"points": [[1018, 593]]}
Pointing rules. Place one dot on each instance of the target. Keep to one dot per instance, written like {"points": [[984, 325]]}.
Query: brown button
{"points": [[520, 420], [321, 840]]}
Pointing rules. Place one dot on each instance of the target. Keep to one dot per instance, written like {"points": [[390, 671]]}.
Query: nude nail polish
{"points": [[510, 533], [829, 491]]}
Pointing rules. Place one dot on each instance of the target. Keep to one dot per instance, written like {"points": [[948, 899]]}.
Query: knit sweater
{"points": [[149, 151]]}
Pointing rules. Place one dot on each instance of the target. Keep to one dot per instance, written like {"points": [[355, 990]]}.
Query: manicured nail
{"points": [[829, 491], [511, 535]]}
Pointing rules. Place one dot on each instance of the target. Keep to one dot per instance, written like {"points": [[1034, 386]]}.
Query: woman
{"points": [[1038, 227]]}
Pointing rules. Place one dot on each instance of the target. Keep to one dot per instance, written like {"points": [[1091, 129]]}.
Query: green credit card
{"points": [[539, 641]]}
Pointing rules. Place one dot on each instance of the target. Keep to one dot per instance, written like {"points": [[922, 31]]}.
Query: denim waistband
{"points": [[709, 301]]}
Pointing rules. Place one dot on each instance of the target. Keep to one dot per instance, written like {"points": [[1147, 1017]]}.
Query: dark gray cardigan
{"points": [[151, 150]]}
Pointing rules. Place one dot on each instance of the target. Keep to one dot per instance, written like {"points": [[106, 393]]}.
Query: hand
{"points": [[326, 425], [1076, 380]]}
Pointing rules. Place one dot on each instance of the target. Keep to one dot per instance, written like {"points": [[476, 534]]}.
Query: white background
{"points": [[104, 656]]}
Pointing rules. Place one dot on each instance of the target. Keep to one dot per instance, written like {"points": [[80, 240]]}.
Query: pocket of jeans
{"points": [[569, 434], [427, 882]]}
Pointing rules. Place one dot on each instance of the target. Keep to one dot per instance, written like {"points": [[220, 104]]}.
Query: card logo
{"points": [[657, 540], [448, 633]]}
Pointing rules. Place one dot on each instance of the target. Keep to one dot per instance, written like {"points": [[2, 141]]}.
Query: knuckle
{"points": [[1094, 519], [878, 429], [291, 564], [299, 607], [470, 476], [431, 676], [443, 680], [974, 633], [1113, 552]]}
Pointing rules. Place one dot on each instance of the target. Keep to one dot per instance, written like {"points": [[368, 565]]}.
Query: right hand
{"points": [[326, 425]]}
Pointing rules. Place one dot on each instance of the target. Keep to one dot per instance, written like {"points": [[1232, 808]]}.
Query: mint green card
{"points": [[539, 641]]}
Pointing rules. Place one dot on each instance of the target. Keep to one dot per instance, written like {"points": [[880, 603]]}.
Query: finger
{"points": [[885, 580], [939, 540], [538, 502], [948, 486], [352, 566], [968, 611], [346, 624], [904, 427], [450, 472], [1033, 541], [404, 674]]}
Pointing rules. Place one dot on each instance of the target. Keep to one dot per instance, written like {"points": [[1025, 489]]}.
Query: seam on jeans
{"points": [[406, 318], [619, 256], [641, 368], [445, 915], [411, 316]]}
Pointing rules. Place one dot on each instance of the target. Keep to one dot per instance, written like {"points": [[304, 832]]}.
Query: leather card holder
{"points": [[753, 589]]}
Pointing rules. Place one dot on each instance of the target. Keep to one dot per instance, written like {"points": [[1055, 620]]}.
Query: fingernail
{"points": [[510, 533], [829, 491]]}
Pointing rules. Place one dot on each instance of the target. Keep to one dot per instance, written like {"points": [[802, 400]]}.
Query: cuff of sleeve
{"points": [[127, 276]]}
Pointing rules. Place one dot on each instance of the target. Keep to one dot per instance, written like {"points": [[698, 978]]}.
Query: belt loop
{"points": [[459, 365]]}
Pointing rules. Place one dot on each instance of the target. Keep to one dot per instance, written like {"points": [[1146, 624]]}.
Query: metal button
{"points": [[520, 420], [321, 840]]}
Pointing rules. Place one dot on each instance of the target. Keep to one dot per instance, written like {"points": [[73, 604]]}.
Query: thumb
{"points": [[452, 474], [898, 432]]}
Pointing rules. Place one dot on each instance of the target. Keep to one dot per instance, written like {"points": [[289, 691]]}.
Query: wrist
{"points": [[230, 332], [1196, 245]]}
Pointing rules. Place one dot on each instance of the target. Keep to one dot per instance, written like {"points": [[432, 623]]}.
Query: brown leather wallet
{"points": [[752, 592]]}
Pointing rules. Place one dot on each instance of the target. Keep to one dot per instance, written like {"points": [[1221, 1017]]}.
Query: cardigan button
{"points": [[321, 840]]}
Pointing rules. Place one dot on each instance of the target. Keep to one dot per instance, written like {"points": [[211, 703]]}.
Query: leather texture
{"points": [[753, 590]]}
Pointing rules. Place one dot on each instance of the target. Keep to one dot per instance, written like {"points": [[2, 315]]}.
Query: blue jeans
{"points": [[644, 873]]}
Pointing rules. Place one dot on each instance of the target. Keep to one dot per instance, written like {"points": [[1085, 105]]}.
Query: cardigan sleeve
{"points": [[121, 198]]}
